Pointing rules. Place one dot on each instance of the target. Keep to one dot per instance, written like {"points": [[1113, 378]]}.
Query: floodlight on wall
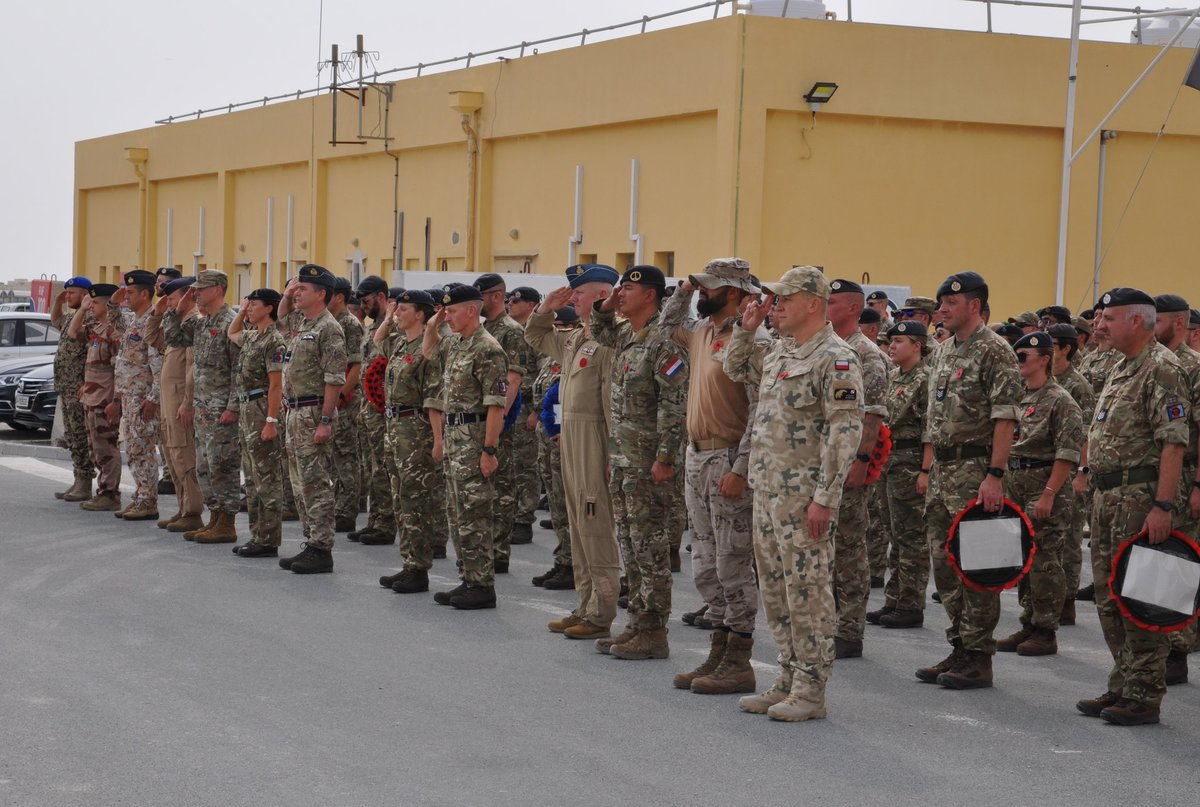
{"points": [[820, 94]]}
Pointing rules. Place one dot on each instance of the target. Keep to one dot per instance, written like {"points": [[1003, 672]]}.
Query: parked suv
{"points": [[25, 333], [11, 372], [35, 399]]}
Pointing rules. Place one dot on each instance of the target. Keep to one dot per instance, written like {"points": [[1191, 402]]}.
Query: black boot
{"points": [[562, 581], [542, 578], [411, 581], [313, 561], [443, 597], [257, 550], [521, 534], [475, 598]]}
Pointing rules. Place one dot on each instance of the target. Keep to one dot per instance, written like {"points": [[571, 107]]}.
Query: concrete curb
{"points": [[41, 452]]}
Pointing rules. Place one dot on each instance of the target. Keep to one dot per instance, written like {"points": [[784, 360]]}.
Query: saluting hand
{"points": [[754, 315], [556, 299]]}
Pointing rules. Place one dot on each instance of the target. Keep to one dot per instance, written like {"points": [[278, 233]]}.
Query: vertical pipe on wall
{"points": [[291, 231], [577, 234], [170, 237], [1064, 206], [267, 281], [634, 236]]}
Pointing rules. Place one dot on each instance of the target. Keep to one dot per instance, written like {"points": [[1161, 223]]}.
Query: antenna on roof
{"points": [[357, 62]]}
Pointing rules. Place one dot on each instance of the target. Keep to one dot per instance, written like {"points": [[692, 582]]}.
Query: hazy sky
{"points": [[81, 68]]}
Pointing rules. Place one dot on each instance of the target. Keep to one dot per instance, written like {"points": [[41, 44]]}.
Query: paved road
{"points": [[143, 670]]}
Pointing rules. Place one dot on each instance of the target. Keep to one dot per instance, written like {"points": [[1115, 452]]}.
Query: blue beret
{"points": [[644, 275], [582, 273], [177, 284], [77, 283], [842, 286], [316, 275]]}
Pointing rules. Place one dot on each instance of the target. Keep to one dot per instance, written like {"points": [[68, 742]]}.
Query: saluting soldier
{"points": [[377, 459], [69, 360], [521, 303], [162, 276], [314, 375], [98, 393], [346, 457]]}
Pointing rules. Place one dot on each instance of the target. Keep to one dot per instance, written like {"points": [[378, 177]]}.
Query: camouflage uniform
{"points": [[908, 558], [475, 377], [1141, 409], [218, 455], [1050, 428], [649, 385], [971, 384], [99, 390], [806, 431], [261, 354], [347, 461], [1189, 361], [69, 361], [136, 368], [852, 571], [378, 460], [516, 461], [879, 539], [316, 357], [550, 463], [413, 383], [1082, 393]]}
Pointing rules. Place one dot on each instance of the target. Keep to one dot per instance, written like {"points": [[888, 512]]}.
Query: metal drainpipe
{"points": [[472, 160]]}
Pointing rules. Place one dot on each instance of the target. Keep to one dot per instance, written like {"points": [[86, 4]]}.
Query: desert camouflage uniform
{"points": [[908, 558], [136, 370], [1142, 408], [475, 377], [806, 431], [261, 354], [314, 358], [176, 388], [852, 571], [377, 460], [1080, 390], [1049, 428], [550, 462], [413, 382], [347, 462], [99, 390], [69, 361], [517, 462], [649, 387], [218, 455], [971, 385]]}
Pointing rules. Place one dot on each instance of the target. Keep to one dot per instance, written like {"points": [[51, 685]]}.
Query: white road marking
{"points": [[44, 470]]}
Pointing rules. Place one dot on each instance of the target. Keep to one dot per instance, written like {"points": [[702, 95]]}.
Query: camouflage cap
{"points": [[808, 279], [1026, 319], [1082, 325], [211, 277], [925, 304], [721, 272]]}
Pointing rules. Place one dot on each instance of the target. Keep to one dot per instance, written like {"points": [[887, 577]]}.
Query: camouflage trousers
{"points": [[722, 541], [1186, 640], [879, 538], [380, 468], [1139, 656], [795, 575], [852, 574], [550, 472], [218, 462], [310, 467], [141, 453], [639, 512], [75, 430], [526, 481], [973, 614], [264, 482], [908, 557], [1072, 553], [472, 499], [504, 508], [346, 462], [418, 489], [1043, 591], [106, 454], [289, 495]]}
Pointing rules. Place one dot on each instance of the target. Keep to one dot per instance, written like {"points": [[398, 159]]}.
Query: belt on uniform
{"points": [[1132, 476], [392, 412], [711, 445], [461, 418], [953, 453], [252, 395], [905, 445], [302, 401], [1024, 464]]}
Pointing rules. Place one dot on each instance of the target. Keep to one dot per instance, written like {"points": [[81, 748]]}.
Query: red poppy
{"points": [[784, 374], [212, 332], [408, 359], [717, 346], [583, 363]]}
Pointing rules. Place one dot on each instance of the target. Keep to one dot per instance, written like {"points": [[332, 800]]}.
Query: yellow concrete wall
{"points": [[111, 231], [184, 197]]}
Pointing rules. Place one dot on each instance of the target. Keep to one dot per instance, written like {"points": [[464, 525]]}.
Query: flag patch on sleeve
{"points": [[841, 364], [673, 367], [1175, 410]]}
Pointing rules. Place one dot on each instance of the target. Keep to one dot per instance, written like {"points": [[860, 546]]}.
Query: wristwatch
{"points": [[863, 457], [996, 472], [490, 450], [1166, 507], [326, 420], [272, 420], [1083, 469]]}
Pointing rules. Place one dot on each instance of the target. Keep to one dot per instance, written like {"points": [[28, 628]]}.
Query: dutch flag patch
{"points": [[672, 368]]}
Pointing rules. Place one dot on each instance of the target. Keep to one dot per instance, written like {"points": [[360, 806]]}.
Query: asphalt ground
{"points": [[140, 669]]}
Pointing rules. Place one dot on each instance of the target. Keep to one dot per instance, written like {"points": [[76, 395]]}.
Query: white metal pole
{"points": [[1104, 138], [1060, 280]]}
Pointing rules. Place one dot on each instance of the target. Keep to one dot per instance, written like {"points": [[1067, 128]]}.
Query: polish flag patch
{"points": [[841, 364]]}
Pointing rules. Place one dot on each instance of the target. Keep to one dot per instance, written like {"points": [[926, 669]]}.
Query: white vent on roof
{"points": [[796, 9], [1159, 30]]}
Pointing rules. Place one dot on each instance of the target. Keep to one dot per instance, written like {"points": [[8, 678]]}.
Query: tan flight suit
{"points": [[584, 393], [178, 442]]}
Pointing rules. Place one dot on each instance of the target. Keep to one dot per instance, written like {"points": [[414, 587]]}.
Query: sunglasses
{"points": [[1021, 357]]}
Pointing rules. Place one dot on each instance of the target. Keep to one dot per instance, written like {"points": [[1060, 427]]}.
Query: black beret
{"points": [[1194, 320], [177, 284], [1058, 312], [371, 284], [1089, 314], [316, 275], [1063, 331], [1125, 296], [644, 275], [1037, 339], [168, 271], [876, 295], [870, 316], [395, 291], [961, 283], [461, 293], [1010, 331], [488, 282], [265, 295], [1171, 304], [526, 293], [417, 297], [844, 287], [567, 315], [102, 290], [909, 327], [139, 277], [342, 286]]}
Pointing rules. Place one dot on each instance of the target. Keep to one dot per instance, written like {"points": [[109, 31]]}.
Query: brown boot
{"points": [[141, 512], [1009, 643], [187, 522], [930, 674], [190, 535], [568, 621], [973, 671], [101, 503], [1093, 707], [1040, 643], [627, 635], [1127, 712], [716, 651], [223, 532], [1068, 613], [163, 523], [760, 704], [81, 491], [650, 642], [734, 673]]}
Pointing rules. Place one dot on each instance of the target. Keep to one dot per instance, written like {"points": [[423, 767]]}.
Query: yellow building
{"points": [[940, 151]]}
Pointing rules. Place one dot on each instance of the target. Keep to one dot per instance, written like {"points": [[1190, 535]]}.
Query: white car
{"points": [[25, 333]]}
